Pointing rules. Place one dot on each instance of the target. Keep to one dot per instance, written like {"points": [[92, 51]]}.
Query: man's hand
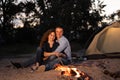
{"points": [[62, 55], [59, 54]]}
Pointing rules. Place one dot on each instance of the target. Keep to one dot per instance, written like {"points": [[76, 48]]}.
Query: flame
{"points": [[68, 71]]}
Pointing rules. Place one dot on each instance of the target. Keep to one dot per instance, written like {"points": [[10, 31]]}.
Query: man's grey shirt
{"points": [[64, 45]]}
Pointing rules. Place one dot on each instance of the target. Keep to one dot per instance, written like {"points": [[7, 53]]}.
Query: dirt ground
{"points": [[101, 69]]}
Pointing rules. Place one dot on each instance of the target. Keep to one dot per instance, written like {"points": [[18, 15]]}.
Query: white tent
{"points": [[106, 41]]}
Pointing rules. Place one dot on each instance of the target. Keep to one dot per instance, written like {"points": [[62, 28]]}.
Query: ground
{"points": [[101, 69], [98, 69]]}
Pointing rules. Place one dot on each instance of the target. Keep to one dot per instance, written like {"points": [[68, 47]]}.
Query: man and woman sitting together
{"points": [[54, 49]]}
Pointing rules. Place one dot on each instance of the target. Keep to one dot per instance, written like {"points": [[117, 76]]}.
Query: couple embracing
{"points": [[54, 49]]}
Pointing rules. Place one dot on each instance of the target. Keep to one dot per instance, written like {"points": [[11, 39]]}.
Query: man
{"points": [[63, 43], [64, 46]]}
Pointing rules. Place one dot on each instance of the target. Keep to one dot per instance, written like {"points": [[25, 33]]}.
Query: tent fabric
{"points": [[106, 41]]}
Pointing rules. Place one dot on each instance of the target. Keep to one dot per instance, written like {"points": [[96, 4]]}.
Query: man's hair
{"points": [[59, 27]]}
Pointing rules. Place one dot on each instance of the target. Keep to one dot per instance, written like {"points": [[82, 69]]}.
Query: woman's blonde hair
{"points": [[45, 36]]}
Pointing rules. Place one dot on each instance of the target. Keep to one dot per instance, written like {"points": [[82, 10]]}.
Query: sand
{"points": [[101, 69]]}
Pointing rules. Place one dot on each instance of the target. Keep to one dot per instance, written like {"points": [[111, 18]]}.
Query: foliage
{"points": [[7, 9], [115, 16], [73, 15], [11, 12]]}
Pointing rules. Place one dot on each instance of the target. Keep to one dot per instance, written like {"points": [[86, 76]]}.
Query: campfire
{"points": [[68, 73]]}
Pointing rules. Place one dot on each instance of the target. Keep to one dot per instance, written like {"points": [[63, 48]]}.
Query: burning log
{"points": [[68, 73], [62, 77]]}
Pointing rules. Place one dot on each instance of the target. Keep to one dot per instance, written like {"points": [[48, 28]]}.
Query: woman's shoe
{"points": [[41, 68], [34, 68], [16, 65]]}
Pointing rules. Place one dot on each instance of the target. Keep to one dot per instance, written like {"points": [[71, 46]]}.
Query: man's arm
{"points": [[61, 47]]}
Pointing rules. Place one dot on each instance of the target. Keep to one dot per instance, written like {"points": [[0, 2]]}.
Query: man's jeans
{"points": [[50, 64]]}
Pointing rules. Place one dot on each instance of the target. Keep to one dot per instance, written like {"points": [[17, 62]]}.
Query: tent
{"points": [[106, 41]]}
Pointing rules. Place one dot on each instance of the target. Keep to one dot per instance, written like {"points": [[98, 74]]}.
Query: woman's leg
{"points": [[39, 56], [39, 59], [35, 59]]}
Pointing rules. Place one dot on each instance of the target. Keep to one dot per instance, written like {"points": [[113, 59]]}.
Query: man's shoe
{"points": [[16, 65]]}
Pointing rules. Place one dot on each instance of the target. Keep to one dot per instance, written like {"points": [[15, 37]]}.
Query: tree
{"points": [[73, 15], [114, 16], [13, 14], [72, 12], [7, 9]]}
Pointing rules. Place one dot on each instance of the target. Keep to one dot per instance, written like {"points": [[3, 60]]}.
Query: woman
{"points": [[45, 52]]}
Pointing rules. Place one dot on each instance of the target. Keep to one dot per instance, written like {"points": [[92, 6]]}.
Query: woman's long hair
{"points": [[45, 36]]}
